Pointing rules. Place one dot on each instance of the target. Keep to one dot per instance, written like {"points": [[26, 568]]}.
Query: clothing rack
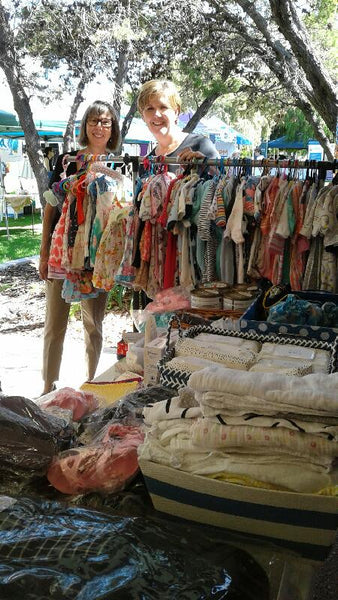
{"points": [[136, 161]]}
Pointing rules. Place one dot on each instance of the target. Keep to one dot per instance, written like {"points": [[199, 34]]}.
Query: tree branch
{"points": [[325, 98]]}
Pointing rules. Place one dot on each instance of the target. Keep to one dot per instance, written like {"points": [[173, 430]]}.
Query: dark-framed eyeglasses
{"points": [[107, 123]]}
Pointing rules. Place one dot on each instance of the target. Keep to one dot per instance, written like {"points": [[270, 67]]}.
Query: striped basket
{"points": [[176, 379], [303, 523]]}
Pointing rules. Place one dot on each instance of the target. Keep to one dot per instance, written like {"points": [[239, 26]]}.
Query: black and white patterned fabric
{"points": [[175, 379]]}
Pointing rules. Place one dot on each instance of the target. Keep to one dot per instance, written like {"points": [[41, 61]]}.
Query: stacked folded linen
{"points": [[233, 352], [261, 429], [221, 388], [206, 349], [168, 431], [279, 429], [291, 360], [170, 409]]}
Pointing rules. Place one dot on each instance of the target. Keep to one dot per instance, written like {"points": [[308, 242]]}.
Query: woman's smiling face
{"points": [[98, 128], [159, 115]]}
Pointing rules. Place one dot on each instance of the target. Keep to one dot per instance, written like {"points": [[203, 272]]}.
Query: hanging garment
{"points": [[103, 189], [110, 251], [230, 229], [125, 274], [56, 247]]}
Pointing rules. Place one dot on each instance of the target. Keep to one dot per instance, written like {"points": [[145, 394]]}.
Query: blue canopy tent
{"points": [[283, 143], [243, 141], [138, 132], [49, 130], [8, 119], [47, 134]]}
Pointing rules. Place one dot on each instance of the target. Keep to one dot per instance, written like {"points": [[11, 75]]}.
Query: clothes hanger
{"points": [[97, 167], [65, 185]]}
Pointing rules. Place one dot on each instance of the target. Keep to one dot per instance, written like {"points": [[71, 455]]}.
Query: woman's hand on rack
{"points": [[188, 155]]}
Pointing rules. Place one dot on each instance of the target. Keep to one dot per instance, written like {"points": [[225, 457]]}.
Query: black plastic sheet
{"points": [[325, 581], [29, 438], [50, 551]]}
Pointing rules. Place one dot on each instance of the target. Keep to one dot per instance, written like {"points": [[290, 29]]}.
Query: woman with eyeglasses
{"points": [[99, 134]]}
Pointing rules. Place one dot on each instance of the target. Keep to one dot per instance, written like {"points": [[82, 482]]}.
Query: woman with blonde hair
{"points": [[159, 104]]}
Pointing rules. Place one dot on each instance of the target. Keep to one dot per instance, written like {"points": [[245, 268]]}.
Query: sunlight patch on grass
{"points": [[21, 221], [20, 244], [4, 287]]}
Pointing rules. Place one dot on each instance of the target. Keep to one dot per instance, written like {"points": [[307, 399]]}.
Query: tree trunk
{"points": [[121, 75], [303, 65], [202, 110], [68, 138], [320, 135], [10, 65], [128, 118], [325, 99], [303, 104], [280, 62], [122, 63]]}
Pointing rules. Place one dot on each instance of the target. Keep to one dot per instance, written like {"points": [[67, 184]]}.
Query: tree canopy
{"points": [[246, 59]]}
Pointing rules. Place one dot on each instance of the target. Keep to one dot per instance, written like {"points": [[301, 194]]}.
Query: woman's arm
{"points": [[48, 220], [200, 147]]}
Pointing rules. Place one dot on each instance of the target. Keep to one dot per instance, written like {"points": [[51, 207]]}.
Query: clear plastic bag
{"points": [[78, 403], [170, 299], [107, 465], [51, 551]]}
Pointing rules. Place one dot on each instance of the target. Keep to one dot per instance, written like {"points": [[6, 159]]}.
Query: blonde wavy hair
{"points": [[159, 87]]}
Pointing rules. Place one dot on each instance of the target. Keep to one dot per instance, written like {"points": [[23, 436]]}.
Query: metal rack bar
{"points": [[218, 162]]}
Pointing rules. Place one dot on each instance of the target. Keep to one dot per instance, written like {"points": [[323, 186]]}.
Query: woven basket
{"points": [[175, 379]]}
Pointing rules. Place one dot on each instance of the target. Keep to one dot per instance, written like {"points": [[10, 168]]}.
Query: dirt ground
{"points": [[22, 309]]}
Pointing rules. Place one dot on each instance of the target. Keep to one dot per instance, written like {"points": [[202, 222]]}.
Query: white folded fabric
{"points": [[231, 356], [262, 440], [283, 471], [169, 409], [297, 355], [228, 340], [324, 430], [266, 393], [188, 364], [283, 366]]}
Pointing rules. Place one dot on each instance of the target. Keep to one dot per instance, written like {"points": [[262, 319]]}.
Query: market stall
{"points": [[230, 428]]}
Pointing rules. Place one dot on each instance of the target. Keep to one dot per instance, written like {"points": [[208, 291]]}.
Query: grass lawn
{"points": [[23, 241]]}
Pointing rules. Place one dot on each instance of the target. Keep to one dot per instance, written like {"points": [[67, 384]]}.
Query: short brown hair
{"points": [[95, 110], [158, 87]]}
